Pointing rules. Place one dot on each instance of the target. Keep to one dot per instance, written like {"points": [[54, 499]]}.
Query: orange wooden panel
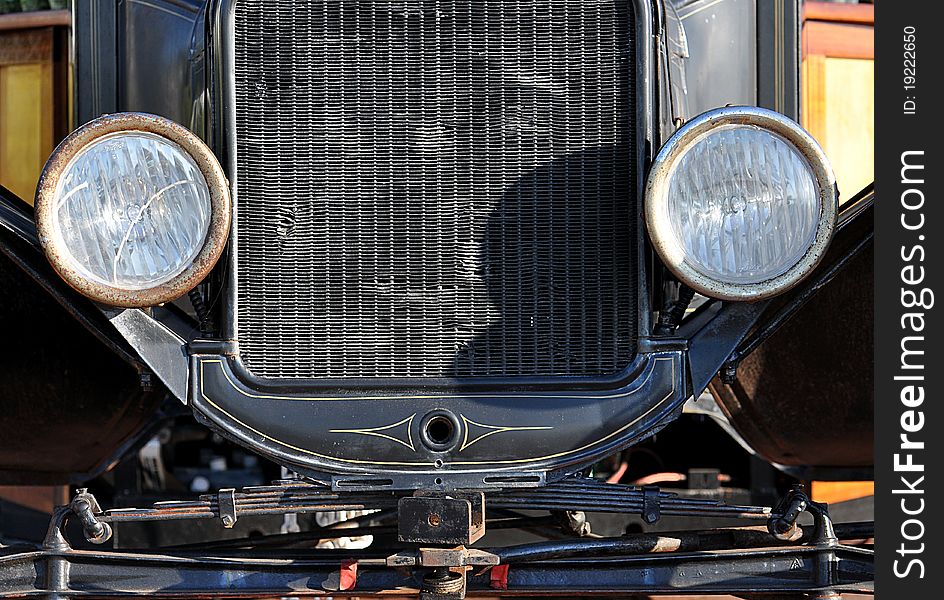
{"points": [[39, 18], [839, 491], [42, 498], [839, 13], [839, 40]]}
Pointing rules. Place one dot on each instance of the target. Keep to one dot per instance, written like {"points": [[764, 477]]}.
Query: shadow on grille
{"points": [[556, 260]]}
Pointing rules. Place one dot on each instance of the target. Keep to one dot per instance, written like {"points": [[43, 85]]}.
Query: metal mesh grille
{"points": [[435, 188]]}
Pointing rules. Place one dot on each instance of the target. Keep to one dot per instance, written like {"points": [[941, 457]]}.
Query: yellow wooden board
{"points": [[28, 109], [22, 147], [839, 111]]}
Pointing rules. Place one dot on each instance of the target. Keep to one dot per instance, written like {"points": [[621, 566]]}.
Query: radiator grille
{"points": [[435, 188]]}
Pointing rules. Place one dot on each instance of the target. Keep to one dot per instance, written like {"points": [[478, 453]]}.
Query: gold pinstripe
{"points": [[658, 404]]}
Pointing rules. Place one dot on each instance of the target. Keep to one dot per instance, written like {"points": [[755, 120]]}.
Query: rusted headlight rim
{"points": [[656, 202], [220, 209]]}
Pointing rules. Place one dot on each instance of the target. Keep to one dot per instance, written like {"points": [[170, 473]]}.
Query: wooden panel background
{"points": [[34, 95], [838, 89]]}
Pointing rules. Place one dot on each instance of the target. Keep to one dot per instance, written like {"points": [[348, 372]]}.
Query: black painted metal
{"points": [[722, 44], [778, 56], [266, 574], [441, 518], [96, 59], [70, 408], [121, 46], [155, 37], [505, 436], [714, 335]]}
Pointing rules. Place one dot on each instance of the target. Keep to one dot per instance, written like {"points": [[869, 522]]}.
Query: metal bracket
{"points": [[441, 517], [161, 348], [782, 525], [227, 504], [443, 557], [783, 521], [729, 370], [86, 508], [651, 511]]}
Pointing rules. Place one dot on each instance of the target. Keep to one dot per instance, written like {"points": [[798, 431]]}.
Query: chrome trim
{"points": [[657, 189]]}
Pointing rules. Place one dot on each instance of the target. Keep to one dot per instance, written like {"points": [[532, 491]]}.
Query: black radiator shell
{"points": [[512, 427]]}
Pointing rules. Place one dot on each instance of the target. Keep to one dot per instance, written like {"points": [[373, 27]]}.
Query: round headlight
{"points": [[132, 210], [741, 203]]}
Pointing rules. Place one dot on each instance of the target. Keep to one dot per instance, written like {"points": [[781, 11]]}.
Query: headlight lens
{"points": [[132, 210], [741, 203]]}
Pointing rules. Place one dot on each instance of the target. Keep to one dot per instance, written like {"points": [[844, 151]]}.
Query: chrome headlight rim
{"points": [[660, 226], [220, 209]]}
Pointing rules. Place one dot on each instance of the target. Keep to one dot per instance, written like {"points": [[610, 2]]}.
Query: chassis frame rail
{"points": [[800, 570], [783, 558]]}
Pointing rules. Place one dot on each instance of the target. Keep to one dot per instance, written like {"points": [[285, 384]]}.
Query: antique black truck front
{"points": [[440, 260]]}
